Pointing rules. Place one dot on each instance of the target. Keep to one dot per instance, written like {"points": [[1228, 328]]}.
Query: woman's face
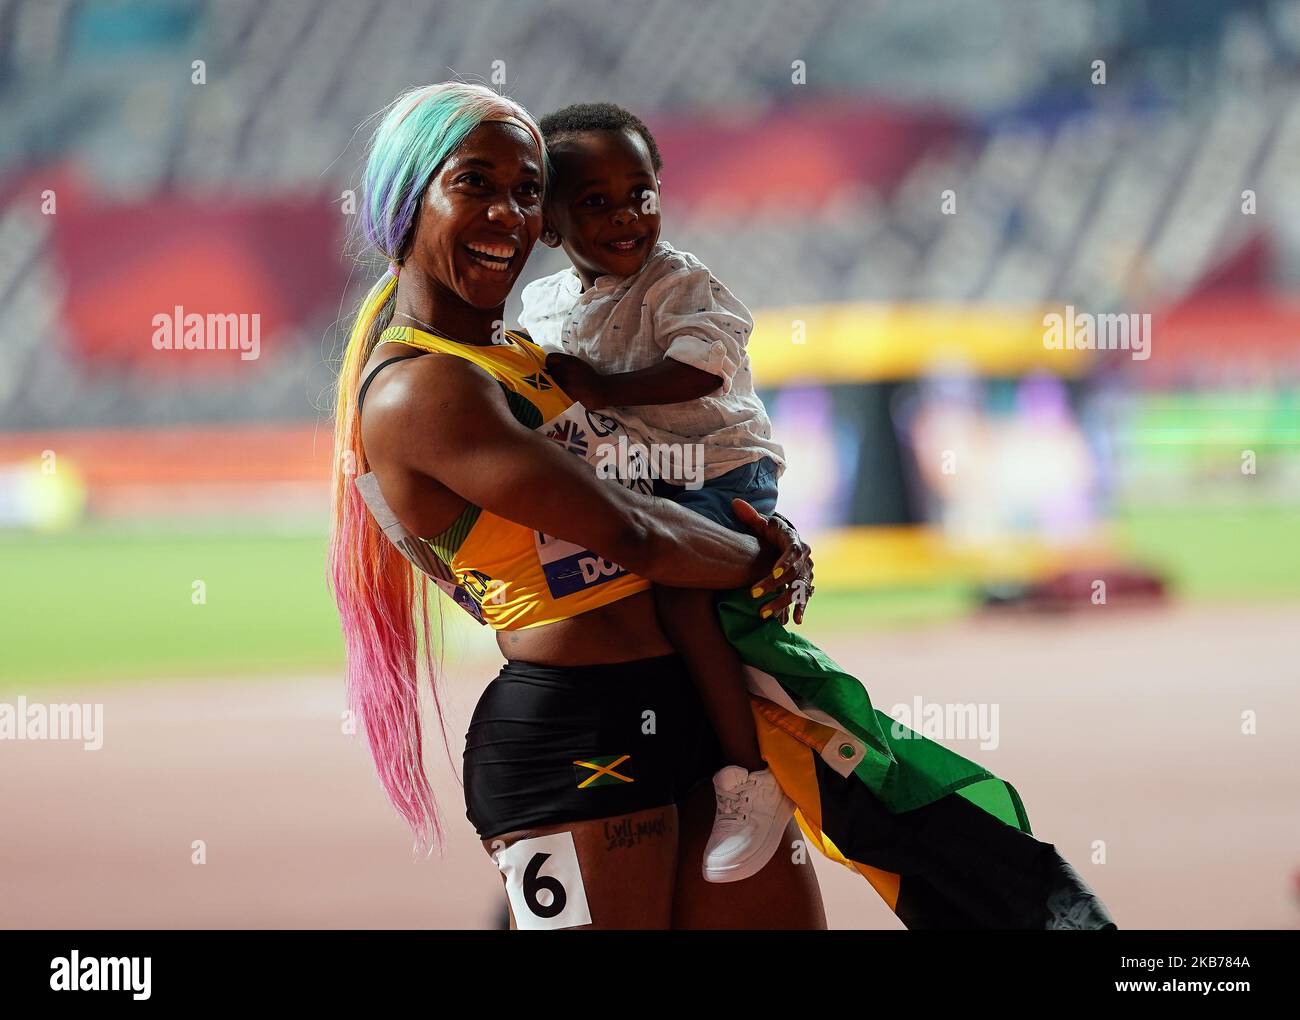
{"points": [[481, 215]]}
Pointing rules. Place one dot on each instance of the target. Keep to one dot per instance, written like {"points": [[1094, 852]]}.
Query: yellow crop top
{"points": [[506, 574]]}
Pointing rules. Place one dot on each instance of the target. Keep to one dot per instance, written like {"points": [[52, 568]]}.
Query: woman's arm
{"points": [[445, 418]]}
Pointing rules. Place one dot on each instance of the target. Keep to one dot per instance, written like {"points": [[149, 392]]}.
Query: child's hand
{"points": [[578, 379]]}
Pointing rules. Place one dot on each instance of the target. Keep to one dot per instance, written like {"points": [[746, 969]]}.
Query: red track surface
{"points": [[1122, 728]]}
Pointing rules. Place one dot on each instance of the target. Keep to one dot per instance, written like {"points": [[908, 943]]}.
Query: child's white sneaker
{"points": [[749, 821]]}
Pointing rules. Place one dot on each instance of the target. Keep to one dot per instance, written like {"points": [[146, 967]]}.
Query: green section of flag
{"points": [[958, 868], [901, 768]]}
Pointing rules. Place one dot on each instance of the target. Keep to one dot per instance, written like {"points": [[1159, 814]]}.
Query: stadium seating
{"points": [[1117, 196]]}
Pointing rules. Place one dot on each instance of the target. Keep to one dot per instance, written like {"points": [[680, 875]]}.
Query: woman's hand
{"points": [[792, 574], [578, 379]]}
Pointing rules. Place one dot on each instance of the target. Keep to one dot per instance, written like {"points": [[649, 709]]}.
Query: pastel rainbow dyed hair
{"points": [[383, 603]]}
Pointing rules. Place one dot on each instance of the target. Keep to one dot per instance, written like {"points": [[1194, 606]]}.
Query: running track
{"points": [[1116, 727]]}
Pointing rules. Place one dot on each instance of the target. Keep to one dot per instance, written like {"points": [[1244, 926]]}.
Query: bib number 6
{"points": [[544, 895], [549, 900]]}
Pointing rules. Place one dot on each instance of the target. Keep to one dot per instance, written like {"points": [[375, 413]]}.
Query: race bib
{"points": [[544, 883]]}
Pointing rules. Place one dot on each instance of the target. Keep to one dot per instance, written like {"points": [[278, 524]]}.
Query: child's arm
{"points": [[669, 382]]}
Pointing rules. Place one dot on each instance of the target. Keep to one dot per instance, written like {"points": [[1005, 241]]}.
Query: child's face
{"points": [[605, 206]]}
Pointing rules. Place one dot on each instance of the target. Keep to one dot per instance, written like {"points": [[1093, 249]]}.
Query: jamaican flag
{"points": [[945, 843]]}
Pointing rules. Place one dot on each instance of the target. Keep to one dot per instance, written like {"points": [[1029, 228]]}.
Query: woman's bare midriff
{"points": [[621, 631]]}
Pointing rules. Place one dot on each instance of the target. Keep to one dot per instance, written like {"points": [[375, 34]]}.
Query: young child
{"points": [[642, 328]]}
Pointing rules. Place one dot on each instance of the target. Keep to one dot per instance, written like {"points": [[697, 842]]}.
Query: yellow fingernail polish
{"points": [[766, 613], [756, 592], [778, 571]]}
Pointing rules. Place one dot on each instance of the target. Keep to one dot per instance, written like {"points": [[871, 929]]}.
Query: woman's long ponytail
{"points": [[383, 604]]}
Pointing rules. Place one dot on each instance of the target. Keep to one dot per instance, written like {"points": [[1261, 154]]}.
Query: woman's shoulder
{"points": [[430, 383]]}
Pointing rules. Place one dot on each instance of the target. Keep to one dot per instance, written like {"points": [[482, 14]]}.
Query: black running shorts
{"points": [[550, 745]]}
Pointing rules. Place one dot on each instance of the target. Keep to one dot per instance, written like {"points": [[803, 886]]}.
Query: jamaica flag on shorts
{"points": [[945, 843], [603, 770]]}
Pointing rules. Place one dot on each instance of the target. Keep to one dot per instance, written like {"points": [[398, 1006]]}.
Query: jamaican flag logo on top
{"points": [[601, 770]]}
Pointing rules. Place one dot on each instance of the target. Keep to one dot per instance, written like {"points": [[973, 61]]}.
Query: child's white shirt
{"points": [[672, 307]]}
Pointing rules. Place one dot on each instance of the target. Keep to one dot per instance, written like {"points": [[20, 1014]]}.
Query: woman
{"points": [[588, 758]]}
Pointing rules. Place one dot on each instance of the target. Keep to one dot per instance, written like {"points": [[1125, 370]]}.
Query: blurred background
{"points": [[1102, 546]]}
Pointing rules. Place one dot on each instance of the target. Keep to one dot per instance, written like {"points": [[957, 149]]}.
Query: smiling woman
{"points": [[481, 235], [460, 479]]}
